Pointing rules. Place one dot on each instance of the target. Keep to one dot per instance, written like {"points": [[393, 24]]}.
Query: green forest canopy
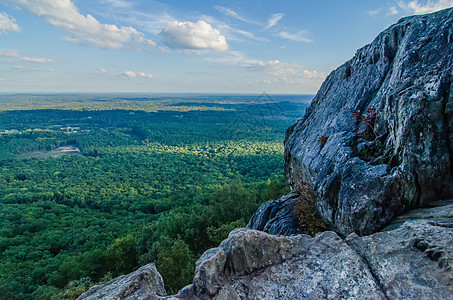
{"points": [[93, 187]]}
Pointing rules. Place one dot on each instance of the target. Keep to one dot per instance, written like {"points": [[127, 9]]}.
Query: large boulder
{"points": [[377, 139], [143, 284], [411, 259]]}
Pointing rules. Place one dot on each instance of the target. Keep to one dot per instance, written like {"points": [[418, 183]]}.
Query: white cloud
{"points": [[96, 71], [392, 11], [300, 36], [37, 59], [373, 12], [64, 14], [414, 7], [273, 20], [14, 54], [152, 23], [7, 23], [74, 41], [231, 33], [247, 34], [282, 70], [193, 36], [9, 52], [233, 14], [28, 69], [132, 74], [275, 70], [118, 3]]}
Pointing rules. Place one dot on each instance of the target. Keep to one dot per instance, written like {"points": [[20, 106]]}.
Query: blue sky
{"points": [[187, 46]]}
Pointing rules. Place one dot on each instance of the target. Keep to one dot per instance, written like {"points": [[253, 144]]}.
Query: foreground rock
{"points": [[411, 259], [378, 137], [415, 260], [143, 284]]}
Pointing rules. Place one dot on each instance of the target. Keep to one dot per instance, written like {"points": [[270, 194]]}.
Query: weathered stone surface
{"points": [[415, 260], [409, 260], [277, 216], [143, 284], [254, 265], [406, 74]]}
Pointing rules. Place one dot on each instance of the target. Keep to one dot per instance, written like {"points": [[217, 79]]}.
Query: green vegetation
{"points": [[309, 220], [89, 190]]}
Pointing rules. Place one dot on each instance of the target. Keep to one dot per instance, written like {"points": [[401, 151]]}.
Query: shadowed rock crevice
{"points": [[447, 115], [373, 273], [277, 216]]}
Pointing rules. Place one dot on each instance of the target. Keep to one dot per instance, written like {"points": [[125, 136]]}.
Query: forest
{"points": [[95, 186]]}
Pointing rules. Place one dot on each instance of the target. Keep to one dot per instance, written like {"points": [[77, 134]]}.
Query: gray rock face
{"points": [[255, 265], [277, 216], [410, 260], [143, 284], [368, 169], [415, 260]]}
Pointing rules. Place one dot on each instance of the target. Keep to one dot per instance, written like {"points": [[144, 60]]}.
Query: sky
{"points": [[181, 46]]}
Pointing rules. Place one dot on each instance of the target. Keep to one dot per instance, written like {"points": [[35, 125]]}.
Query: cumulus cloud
{"points": [[300, 36], [64, 14], [7, 23], [132, 74], [416, 8], [273, 20], [193, 36]]}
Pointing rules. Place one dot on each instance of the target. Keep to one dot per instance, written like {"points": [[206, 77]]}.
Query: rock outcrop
{"points": [[377, 139], [143, 284], [411, 259]]}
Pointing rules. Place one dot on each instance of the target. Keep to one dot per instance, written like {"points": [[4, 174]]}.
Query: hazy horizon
{"points": [[50, 46]]}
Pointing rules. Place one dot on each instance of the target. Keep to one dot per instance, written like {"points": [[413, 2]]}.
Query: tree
{"points": [[176, 265]]}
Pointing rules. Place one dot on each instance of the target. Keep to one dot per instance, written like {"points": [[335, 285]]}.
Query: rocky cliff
{"points": [[384, 126], [376, 142]]}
